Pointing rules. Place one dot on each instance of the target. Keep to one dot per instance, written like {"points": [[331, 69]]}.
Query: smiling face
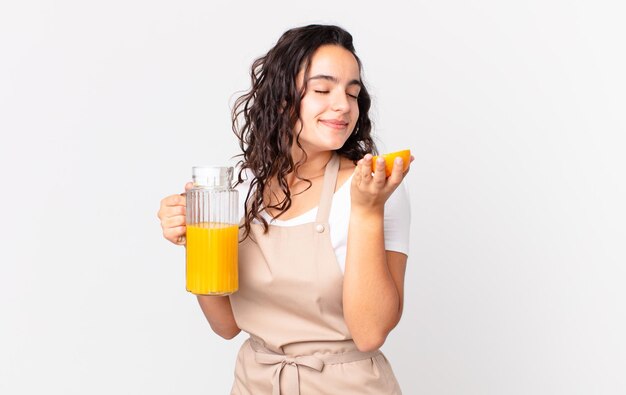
{"points": [[328, 109]]}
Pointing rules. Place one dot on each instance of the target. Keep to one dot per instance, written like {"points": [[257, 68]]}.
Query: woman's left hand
{"points": [[369, 190]]}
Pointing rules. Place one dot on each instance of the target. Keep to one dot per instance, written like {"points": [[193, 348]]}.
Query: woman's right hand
{"points": [[172, 215]]}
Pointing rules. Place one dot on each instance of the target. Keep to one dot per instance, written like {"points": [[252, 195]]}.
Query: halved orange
{"points": [[390, 157]]}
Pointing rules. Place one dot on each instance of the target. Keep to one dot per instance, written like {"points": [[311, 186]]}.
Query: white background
{"points": [[513, 110]]}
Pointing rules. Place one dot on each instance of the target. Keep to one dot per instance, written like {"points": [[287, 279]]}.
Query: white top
{"points": [[397, 220]]}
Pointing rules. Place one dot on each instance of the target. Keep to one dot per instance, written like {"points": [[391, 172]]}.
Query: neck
{"points": [[314, 166]]}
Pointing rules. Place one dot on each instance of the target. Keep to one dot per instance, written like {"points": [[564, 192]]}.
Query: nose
{"points": [[340, 101]]}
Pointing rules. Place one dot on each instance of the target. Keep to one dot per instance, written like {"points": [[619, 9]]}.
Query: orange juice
{"points": [[212, 258]]}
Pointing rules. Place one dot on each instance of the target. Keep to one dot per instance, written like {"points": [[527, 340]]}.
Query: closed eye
{"points": [[322, 92]]}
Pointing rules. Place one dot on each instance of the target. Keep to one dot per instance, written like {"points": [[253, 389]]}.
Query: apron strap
{"points": [[328, 189]]}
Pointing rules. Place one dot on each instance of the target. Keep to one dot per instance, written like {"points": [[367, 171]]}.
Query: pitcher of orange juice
{"points": [[212, 232]]}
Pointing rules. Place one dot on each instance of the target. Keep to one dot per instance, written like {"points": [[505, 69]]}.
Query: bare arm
{"points": [[373, 290], [219, 313]]}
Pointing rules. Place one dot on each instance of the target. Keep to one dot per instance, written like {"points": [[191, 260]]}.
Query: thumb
{"points": [[188, 186]]}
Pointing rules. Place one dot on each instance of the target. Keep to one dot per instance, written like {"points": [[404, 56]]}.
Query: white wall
{"points": [[514, 111]]}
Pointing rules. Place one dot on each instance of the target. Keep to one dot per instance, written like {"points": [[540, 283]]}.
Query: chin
{"points": [[337, 142]]}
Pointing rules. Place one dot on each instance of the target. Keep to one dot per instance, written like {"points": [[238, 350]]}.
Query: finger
{"points": [[163, 205], [188, 186], [396, 172], [379, 174], [356, 175], [366, 167], [361, 172], [174, 211], [172, 222], [168, 209], [175, 234], [174, 200], [409, 167], [171, 212]]}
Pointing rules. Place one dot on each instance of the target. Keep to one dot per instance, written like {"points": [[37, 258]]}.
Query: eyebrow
{"points": [[333, 79]]}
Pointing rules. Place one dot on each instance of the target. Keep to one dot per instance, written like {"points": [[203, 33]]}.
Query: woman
{"points": [[325, 240]]}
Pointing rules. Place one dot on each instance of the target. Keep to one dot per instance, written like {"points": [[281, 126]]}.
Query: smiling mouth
{"points": [[334, 124]]}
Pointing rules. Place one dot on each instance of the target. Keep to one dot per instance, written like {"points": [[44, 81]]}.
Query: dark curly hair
{"points": [[264, 117]]}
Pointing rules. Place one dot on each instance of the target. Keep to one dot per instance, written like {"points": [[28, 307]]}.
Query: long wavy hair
{"points": [[264, 117]]}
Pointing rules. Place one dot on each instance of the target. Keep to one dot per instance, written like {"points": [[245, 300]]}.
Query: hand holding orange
{"points": [[390, 158]]}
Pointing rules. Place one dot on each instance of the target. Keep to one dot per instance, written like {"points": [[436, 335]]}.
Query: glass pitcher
{"points": [[212, 232]]}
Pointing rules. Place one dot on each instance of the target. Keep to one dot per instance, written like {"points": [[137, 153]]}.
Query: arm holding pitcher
{"points": [[216, 309]]}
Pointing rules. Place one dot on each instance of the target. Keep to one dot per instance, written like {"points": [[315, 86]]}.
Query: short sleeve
{"points": [[397, 224]]}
